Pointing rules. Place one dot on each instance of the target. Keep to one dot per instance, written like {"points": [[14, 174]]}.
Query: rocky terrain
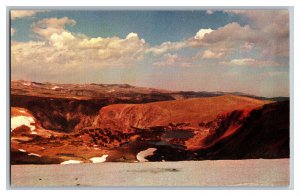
{"points": [[78, 123]]}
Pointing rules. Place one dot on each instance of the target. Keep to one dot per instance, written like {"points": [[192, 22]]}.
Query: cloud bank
{"points": [[263, 41], [15, 14]]}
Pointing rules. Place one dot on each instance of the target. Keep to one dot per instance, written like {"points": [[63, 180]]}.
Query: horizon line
{"points": [[241, 93]]}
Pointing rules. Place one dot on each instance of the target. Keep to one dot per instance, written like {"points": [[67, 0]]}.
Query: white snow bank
{"points": [[70, 162], [26, 83], [18, 121], [99, 159], [33, 154], [55, 87], [33, 132], [141, 155]]}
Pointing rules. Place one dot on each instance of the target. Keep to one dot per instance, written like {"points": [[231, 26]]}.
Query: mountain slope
{"points": [[54, 123], [188, 111], [264, 134]]}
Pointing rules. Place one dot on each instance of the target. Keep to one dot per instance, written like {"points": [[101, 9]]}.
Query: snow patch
{"points": [[22, 150], [56, 87], [33, 154], [71, 162], [99, 159], [26, 83], [18, 121], [141, 155]]}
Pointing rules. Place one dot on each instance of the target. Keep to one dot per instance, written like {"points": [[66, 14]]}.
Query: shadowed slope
{"points": [[264, 134]]}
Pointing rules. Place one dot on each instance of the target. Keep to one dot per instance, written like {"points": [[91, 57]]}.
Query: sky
{"points": [[191, 50]]}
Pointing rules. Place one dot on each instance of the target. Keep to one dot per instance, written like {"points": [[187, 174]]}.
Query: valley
{"points": [[55, 123]]}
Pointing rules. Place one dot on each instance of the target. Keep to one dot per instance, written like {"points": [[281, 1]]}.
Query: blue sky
{"points": [[200, 50], [154, 26]]}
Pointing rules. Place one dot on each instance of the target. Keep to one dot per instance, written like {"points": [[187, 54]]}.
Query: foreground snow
{"points": [[71, 162], [99, 159], [34, 154], [141, 155], [18, 121], [255, 172]]}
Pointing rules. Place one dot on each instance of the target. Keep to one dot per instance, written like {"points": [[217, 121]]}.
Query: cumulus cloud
{"points": [[202, 32], [224, 40], [15, 14], [167, 47], [266, 33], [60, 51], [272, 26], [230, 32], [48, 26]]}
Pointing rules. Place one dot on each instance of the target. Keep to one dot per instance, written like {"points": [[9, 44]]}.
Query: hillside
{"points": [[189, 111], [61, 125]]}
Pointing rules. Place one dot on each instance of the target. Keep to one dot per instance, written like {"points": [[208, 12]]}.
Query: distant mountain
{"points": [[114, 91]]}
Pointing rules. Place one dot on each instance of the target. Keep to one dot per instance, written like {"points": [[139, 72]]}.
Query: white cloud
{"points": [[208, 54], [23, 13], [272, 28], [132, 36], [175, 46], [60, 51], [168, 60], [250, 62], [245, 61], [222, 41], [61, 40], [266, 34], [167, 47], [175, 60], [232, 32], [48, 26], [202, 32]]}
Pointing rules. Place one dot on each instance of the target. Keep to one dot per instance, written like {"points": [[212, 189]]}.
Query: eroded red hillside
{"points": [[50, 127]]}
